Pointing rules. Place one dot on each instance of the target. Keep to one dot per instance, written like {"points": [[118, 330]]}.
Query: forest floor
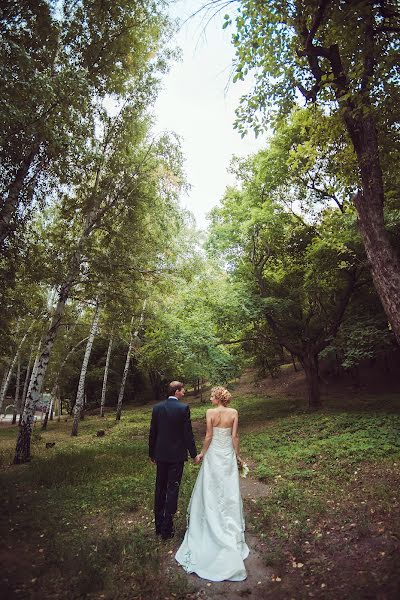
{"points": [[322, 503]]}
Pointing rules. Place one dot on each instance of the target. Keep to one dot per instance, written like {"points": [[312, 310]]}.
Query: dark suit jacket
{"points": [[171, 435]]}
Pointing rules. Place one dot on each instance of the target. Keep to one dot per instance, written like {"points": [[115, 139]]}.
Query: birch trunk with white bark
{"points": [[81, 385], [92, 219], [106, 368], [16, 397], [11, 369], [23, 447], [28, 377], [3, 384], [132, 340]]}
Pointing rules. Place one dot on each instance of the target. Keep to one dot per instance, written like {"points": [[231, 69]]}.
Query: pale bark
{"points": [[11, 369], [106, 369], [134, 338], [81, 385], [55, 393], [16, 397], [23, 447], [93, 218], [22, 450], [28, 377], [49, 408], [3, 384]]}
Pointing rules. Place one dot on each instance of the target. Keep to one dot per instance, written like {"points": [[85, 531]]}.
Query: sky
{"points": [[198, 103]]}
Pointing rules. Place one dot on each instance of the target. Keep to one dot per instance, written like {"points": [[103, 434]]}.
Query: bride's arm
{"points": [[235, 434], [209, 434]]}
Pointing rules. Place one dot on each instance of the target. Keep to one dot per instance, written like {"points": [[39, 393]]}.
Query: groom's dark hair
{"points": [[175, 386]]}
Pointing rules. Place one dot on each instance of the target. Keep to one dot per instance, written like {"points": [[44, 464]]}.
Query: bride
{"points": [[214, 546]]}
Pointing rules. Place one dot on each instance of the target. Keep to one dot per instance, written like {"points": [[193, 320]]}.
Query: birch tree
{"points": [[105, 377], [55, 392], [81, 386], [133, 341], [109, 194], [11, 368], [59, 59], [29, 381], [16, 397]]}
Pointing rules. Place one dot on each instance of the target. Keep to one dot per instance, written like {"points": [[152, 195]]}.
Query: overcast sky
{"points": [[198, 103]]}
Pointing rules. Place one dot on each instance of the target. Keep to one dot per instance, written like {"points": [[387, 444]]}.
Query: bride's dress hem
{"points": [[204, 575], [214, 545]]}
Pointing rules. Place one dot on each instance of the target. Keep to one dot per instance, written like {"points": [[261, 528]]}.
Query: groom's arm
{"points": [[152, 435], [188, 433]]}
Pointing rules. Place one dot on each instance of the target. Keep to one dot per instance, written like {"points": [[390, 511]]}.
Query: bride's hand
{"points": [[197, 460]]}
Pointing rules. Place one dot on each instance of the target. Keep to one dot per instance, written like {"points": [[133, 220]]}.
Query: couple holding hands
{"points": [[214, 546]]}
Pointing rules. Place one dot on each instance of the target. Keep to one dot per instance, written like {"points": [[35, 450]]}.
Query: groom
{"points": [[170, 439]]}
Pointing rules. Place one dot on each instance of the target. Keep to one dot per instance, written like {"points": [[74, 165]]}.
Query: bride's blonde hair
{"points": [[221, 394]]}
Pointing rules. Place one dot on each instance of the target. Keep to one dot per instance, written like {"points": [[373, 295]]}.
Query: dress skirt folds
{"points": [[214, 546]]}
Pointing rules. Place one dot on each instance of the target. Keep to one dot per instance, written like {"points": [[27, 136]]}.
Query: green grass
{"points": [[328, 471], [87, 502], [91, 499]]}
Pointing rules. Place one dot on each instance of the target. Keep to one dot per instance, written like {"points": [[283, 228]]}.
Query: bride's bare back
{"points": [[222, 416]]}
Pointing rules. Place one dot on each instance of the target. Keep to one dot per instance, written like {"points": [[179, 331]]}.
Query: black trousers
{"points": [[168, 480]]}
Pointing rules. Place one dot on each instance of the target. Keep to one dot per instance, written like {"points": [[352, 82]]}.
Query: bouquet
{"points": [[243, 467]]}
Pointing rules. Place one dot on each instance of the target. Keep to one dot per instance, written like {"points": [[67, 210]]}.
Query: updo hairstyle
{"points": [[222, 395]]}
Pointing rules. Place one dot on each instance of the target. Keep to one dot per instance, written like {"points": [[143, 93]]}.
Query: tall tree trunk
{"points": [[359, 120], [28, 377], [16, 397], [49, 408], [124, 377], [383, 258], [309, 360], [23, 447], [59, 404], [22, 450], [3, 384], [10, 370], [55, 392], [81, 385], [10, 205], [132, 341], [106, 368]]}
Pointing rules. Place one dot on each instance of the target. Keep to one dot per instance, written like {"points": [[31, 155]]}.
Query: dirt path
{"points": [[259, 576]]}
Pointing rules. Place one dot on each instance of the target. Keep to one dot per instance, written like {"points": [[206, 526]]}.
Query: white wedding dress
{"points": [[214, 546]]}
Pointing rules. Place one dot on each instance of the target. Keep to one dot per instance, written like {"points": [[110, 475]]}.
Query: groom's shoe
{"points": [[168, 534]]}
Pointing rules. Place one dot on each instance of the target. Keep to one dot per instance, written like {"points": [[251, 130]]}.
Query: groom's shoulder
{"points": [[159, 404]]}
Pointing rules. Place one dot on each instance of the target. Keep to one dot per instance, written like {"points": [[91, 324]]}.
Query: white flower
{"points": [[243, 468]]}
